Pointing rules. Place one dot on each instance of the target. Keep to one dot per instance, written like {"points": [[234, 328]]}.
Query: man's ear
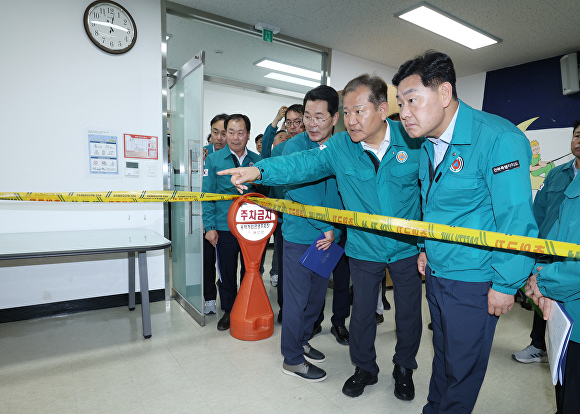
{"points": [[335, 119], [446, 93], [384, 110]]}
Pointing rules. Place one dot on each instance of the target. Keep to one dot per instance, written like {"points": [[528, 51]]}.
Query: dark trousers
{"points": [[209, 286], [462, 336], [228, 251], [538, 333], [366, 281], [568, 395], [340, 290], [279, 246], [304, 293]]}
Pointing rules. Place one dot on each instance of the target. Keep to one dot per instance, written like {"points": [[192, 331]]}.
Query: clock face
{"points": [[110, 26]]}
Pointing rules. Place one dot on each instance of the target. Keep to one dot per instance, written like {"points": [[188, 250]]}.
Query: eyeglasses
{"points": [[316, 121], [296, 122]]}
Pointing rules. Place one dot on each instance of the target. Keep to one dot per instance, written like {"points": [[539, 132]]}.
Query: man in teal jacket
{"points": [[304, 290], [546, 209], [376, 168], [474, 173], [217, 135], [215, 213], [559, 280], [292, 121], [217, 142]]}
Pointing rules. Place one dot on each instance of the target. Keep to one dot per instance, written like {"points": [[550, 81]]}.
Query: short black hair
{"points": [[220, 117], [258, 137], [280, 131], [235, 117], [575, 125], [434, 68], [376, 84], [324, 93], [295, 108]]}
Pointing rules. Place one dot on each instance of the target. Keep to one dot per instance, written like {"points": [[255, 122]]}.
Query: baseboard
{"points": [[74, 306]]}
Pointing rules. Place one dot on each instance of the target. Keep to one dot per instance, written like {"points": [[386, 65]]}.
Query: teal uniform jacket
{"points": [[215, 213], [268, 140], [278, 191], [392, 191], [209, 148], [560, 280], [550, 196], [322, 193], [482, 183]]}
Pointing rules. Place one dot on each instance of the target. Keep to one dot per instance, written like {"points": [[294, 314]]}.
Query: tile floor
{"points": [[99, 362]]}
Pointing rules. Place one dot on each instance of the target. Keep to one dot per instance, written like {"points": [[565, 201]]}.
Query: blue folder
{"points": [[322, 262]]}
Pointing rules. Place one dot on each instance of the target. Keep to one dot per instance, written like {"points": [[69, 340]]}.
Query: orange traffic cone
{"points": [[251, 318]]}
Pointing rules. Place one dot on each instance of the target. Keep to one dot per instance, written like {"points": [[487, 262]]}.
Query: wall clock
{"points": [[110, 26]]}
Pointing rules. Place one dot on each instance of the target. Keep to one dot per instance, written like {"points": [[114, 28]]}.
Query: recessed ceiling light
{"points": [[168, 36], [446, 25], [284, 67], [291, 79]]}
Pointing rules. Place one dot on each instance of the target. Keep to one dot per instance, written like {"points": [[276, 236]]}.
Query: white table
{"points": [[83, 242]]}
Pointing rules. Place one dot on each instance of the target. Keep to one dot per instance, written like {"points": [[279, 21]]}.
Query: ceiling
{"points": [[231, 54], [530, 29]]}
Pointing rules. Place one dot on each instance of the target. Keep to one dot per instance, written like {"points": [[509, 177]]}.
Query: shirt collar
{"points": [[380, 153], [240, 159], [448, 134]]}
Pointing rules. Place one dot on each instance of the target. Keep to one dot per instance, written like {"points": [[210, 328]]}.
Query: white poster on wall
{"points": [[103, 154]]}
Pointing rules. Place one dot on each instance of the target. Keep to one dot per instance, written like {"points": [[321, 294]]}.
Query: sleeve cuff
{"points": [[503, 289]]}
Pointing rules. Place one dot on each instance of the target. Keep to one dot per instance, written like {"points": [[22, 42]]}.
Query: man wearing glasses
{"points": [[292, 120], [304, 290], [376, 166]]}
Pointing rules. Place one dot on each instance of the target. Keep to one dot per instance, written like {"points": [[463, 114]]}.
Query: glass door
{"points": [[186, 98]]}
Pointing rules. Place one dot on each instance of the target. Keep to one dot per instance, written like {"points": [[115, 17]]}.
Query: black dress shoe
{"points": [[280, 317], [224, 322], [404, 387], [315, 331], [355, 385], [340, 333], [430, 326], [379, 317]]}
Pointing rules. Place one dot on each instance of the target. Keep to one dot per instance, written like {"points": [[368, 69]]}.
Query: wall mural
{"points": [[530, 96]]}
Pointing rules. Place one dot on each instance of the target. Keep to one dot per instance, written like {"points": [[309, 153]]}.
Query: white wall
{"points": [[55, 83], [261, 108], [345, 67], [470, 89]]}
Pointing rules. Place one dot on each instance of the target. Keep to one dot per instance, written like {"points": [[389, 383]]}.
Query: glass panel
{"points": [[186, 175], [232, 54]]}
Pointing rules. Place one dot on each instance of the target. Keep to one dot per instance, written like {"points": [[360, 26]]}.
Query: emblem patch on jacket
{"points": [[402, 156], [456, 165], [205, 172]]}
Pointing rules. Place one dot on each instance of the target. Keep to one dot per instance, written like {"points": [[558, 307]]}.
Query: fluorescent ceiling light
{"points": [[443, 24], [283, 67], [291, 79]]}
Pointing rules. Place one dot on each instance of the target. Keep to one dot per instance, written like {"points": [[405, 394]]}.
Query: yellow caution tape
{"points": [[119, 197], [351, 218]]}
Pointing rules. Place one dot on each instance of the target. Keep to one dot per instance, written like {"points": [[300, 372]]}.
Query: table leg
{"points": [[131, 281], [144, 282]]}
